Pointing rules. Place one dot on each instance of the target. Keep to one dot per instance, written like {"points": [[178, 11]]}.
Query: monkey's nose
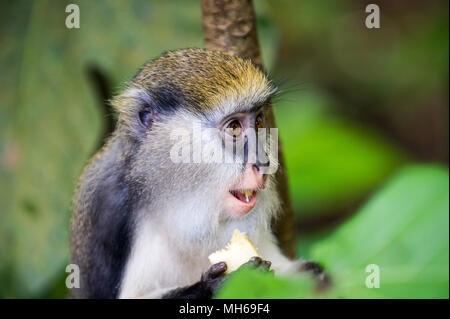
{"points": [[260, 177], [252, 178], [256, 175]]}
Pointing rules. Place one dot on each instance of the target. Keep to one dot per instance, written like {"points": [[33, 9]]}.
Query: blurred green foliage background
{"points": [[364, 113]]}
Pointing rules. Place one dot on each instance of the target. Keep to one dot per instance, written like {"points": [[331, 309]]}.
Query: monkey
{"points": [[144, 223]]}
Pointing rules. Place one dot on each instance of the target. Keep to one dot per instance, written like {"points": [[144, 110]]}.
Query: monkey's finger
{"points": [[258, 263], [323, 281], [255, 260], [266, 264], [310, 266], [216, 270]]}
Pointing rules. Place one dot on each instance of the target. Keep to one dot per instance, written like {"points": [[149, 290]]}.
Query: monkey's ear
{"points": [[144, 107], [137, 110]]}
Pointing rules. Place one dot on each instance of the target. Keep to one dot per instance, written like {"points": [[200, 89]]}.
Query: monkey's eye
{"points": [[259, 122], [234, 128], [145, 117]]}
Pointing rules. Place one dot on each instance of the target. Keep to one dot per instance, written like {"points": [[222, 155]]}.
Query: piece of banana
{"points": [[238, 251]]}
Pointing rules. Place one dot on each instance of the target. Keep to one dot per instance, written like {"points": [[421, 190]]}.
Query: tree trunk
{"points": [[230, 26]]}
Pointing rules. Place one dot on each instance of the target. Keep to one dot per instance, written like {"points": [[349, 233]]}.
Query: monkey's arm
{"points": [[211, 280], [285, 266], [203, 289]]}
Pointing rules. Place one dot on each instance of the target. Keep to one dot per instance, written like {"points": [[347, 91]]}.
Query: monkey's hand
{"points": [[258, 263], [323, 281], [213, 277], [204, 288], [211, 280]]}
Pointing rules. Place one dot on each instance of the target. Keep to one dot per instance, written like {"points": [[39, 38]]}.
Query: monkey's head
{"points": [[197, 120]]}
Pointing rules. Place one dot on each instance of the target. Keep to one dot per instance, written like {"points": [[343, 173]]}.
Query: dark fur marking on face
{"points": [[168, 98], [156, 103]]}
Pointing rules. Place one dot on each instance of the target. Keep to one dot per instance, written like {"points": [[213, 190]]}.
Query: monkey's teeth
{"points": [[244, 195], [248, 195]]}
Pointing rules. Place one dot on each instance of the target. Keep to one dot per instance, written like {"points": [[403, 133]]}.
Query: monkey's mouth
{"points": [[247, 196]]}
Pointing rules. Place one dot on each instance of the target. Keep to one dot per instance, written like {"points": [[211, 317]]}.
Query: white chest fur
{"points": [[171, 250]]}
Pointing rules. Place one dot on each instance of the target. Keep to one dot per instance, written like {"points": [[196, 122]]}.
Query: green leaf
{"points": [[250, 283], [404, 230]]}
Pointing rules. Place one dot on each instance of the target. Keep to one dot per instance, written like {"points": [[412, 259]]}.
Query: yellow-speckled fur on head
{"points": [[200, 81]]}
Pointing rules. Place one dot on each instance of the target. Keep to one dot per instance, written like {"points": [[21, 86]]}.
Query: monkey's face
{"points": [[199, 121], [226, 163]]}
